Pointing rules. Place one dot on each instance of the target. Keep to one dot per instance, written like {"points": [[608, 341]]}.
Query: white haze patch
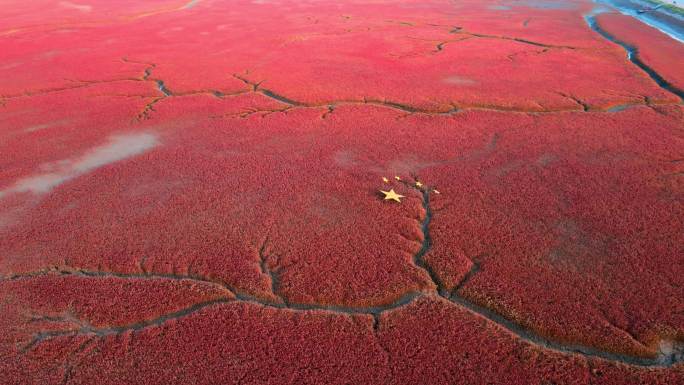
{"points": [[37, 127], [117, 148], [190, 4], [460, 80], [43, 126], [79, 7]]}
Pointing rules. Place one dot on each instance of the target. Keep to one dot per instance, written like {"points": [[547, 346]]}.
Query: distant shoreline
{"points": [[663, 15], [671, 3], [673, 6]]}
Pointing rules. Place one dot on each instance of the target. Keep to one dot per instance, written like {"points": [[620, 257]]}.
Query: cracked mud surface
{"points": [[193, 198]]}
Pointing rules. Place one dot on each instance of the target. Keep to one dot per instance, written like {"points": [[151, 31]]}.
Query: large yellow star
{"points": [[391, 195]]}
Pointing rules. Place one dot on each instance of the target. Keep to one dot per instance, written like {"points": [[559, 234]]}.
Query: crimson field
{"points": [[191, 193]]}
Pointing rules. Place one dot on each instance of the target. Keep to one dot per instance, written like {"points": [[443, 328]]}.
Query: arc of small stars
{"points": [[394, 196]]}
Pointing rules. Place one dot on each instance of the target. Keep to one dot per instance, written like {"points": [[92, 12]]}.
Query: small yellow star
{"points": [[418, 184], [385, 180], [397, 177], [391, 195]]}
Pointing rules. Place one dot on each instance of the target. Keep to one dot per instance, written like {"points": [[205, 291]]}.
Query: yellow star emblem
{"points": [[385, 180], [418, 184], [391, 195], [397, 177]]}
